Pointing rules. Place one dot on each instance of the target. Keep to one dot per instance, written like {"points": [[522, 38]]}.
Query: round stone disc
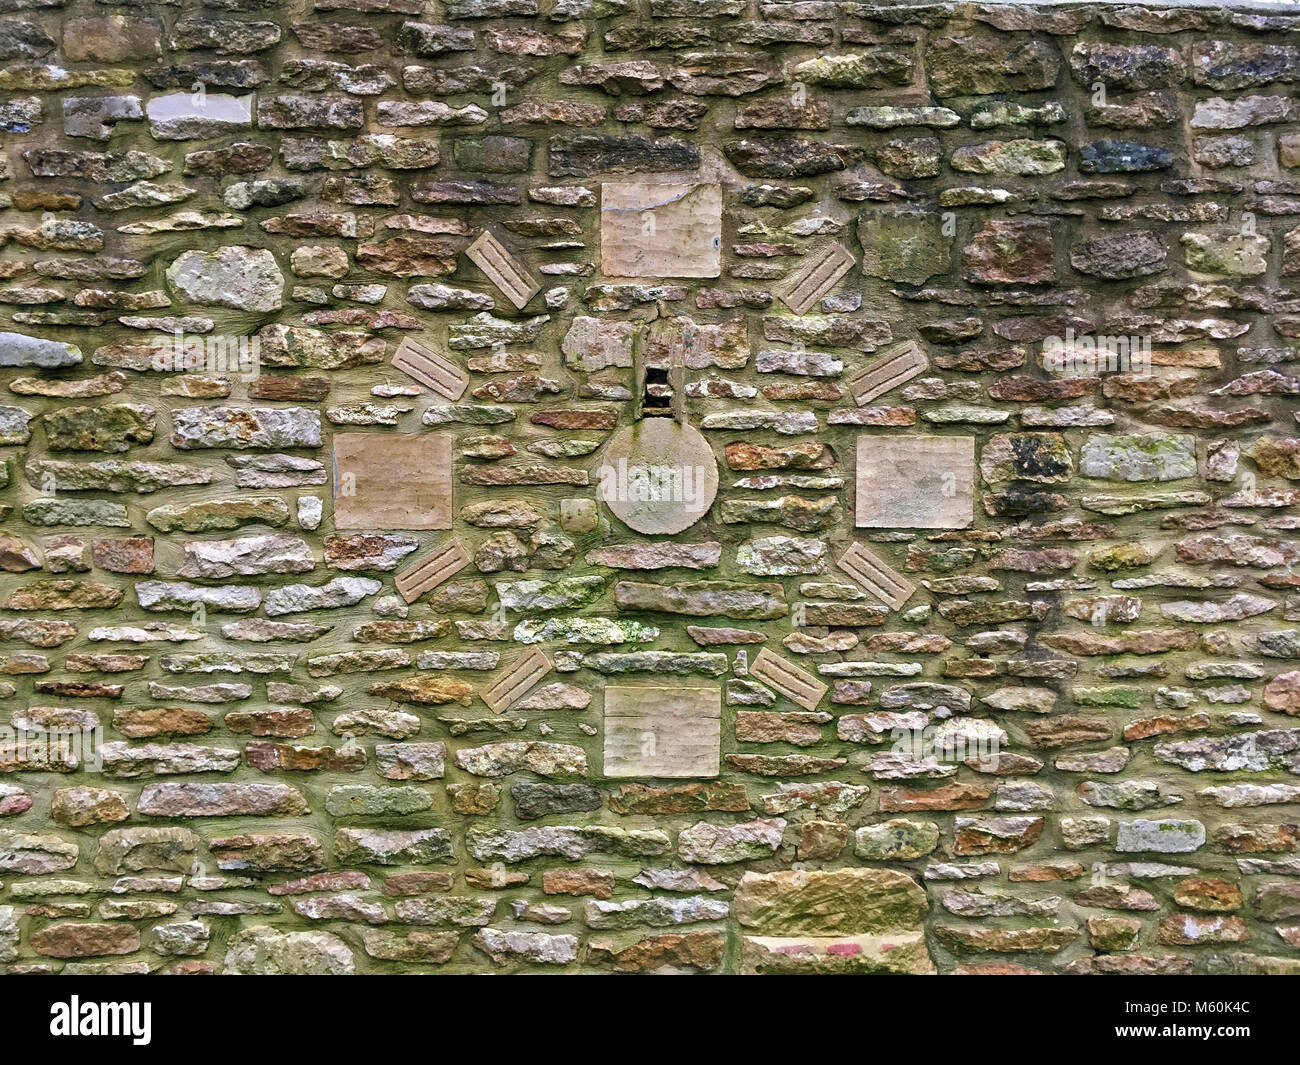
{"points": [[658, 476]]}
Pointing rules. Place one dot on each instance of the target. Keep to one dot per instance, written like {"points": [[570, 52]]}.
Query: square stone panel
{"points": [[920, 482], [388, 481], [655, 230], [662, 731]]}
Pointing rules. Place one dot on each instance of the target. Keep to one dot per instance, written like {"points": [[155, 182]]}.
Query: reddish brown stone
{"points": [[1165, 724], [594, 882], [133, 554], [140, 722], [693, 950], [800, 729], [1190, 930], [1065, 730], [1282, 693], [1208, 894], [271, 756], [1036, 874], [285, 722], [403, 884], [1117, 897], [16, 556], [494, 879], [1008, 252], [272, 852], [971, 667], [1024, 389], [105, 663], [1113, 933], [285, 388], [822, 841], [806, 455], [322, 882], [948, 797], [996, 835], [79, 689], [1257, 838], [85, 940], [574, 419]]}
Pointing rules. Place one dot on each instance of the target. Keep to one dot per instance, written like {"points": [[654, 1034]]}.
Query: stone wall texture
{"points": [[337, 638]]}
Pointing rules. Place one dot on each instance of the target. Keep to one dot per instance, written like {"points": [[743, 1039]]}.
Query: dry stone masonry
{"points": [[746, 486]]}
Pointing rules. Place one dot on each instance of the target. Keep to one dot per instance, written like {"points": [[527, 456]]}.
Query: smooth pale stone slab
{"points": [[919, 482], [662, 731], [388, 481], [657, 229]]}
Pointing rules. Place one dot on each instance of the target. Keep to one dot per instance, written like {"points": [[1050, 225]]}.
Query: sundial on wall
{"points": [[659, 475]]}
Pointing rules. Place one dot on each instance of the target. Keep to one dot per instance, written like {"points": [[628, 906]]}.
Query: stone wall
{"points": [[335, 640]]}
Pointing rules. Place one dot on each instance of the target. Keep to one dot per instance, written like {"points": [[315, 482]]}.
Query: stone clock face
{"points": [[658, 476]]}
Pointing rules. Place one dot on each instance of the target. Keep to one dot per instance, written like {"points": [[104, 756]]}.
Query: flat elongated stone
{"points": [[262, 949], [704, 598], [18, 349], [232, 427], [569, 842], [1165, 837], [220, 800], [1148, 457], [711, 844]]}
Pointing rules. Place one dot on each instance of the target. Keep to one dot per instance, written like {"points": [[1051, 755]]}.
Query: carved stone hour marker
{"points": [[516, 679], [817, 277], [872, 575], [888, 372], [649, 229], [392, 481], [794, 682], [662, 731], [915, 482], [431, 570], [430, 369], [503, 269]]}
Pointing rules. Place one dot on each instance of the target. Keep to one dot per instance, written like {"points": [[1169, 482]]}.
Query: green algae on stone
{"points": [[1150, 456], [904, 244]]}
